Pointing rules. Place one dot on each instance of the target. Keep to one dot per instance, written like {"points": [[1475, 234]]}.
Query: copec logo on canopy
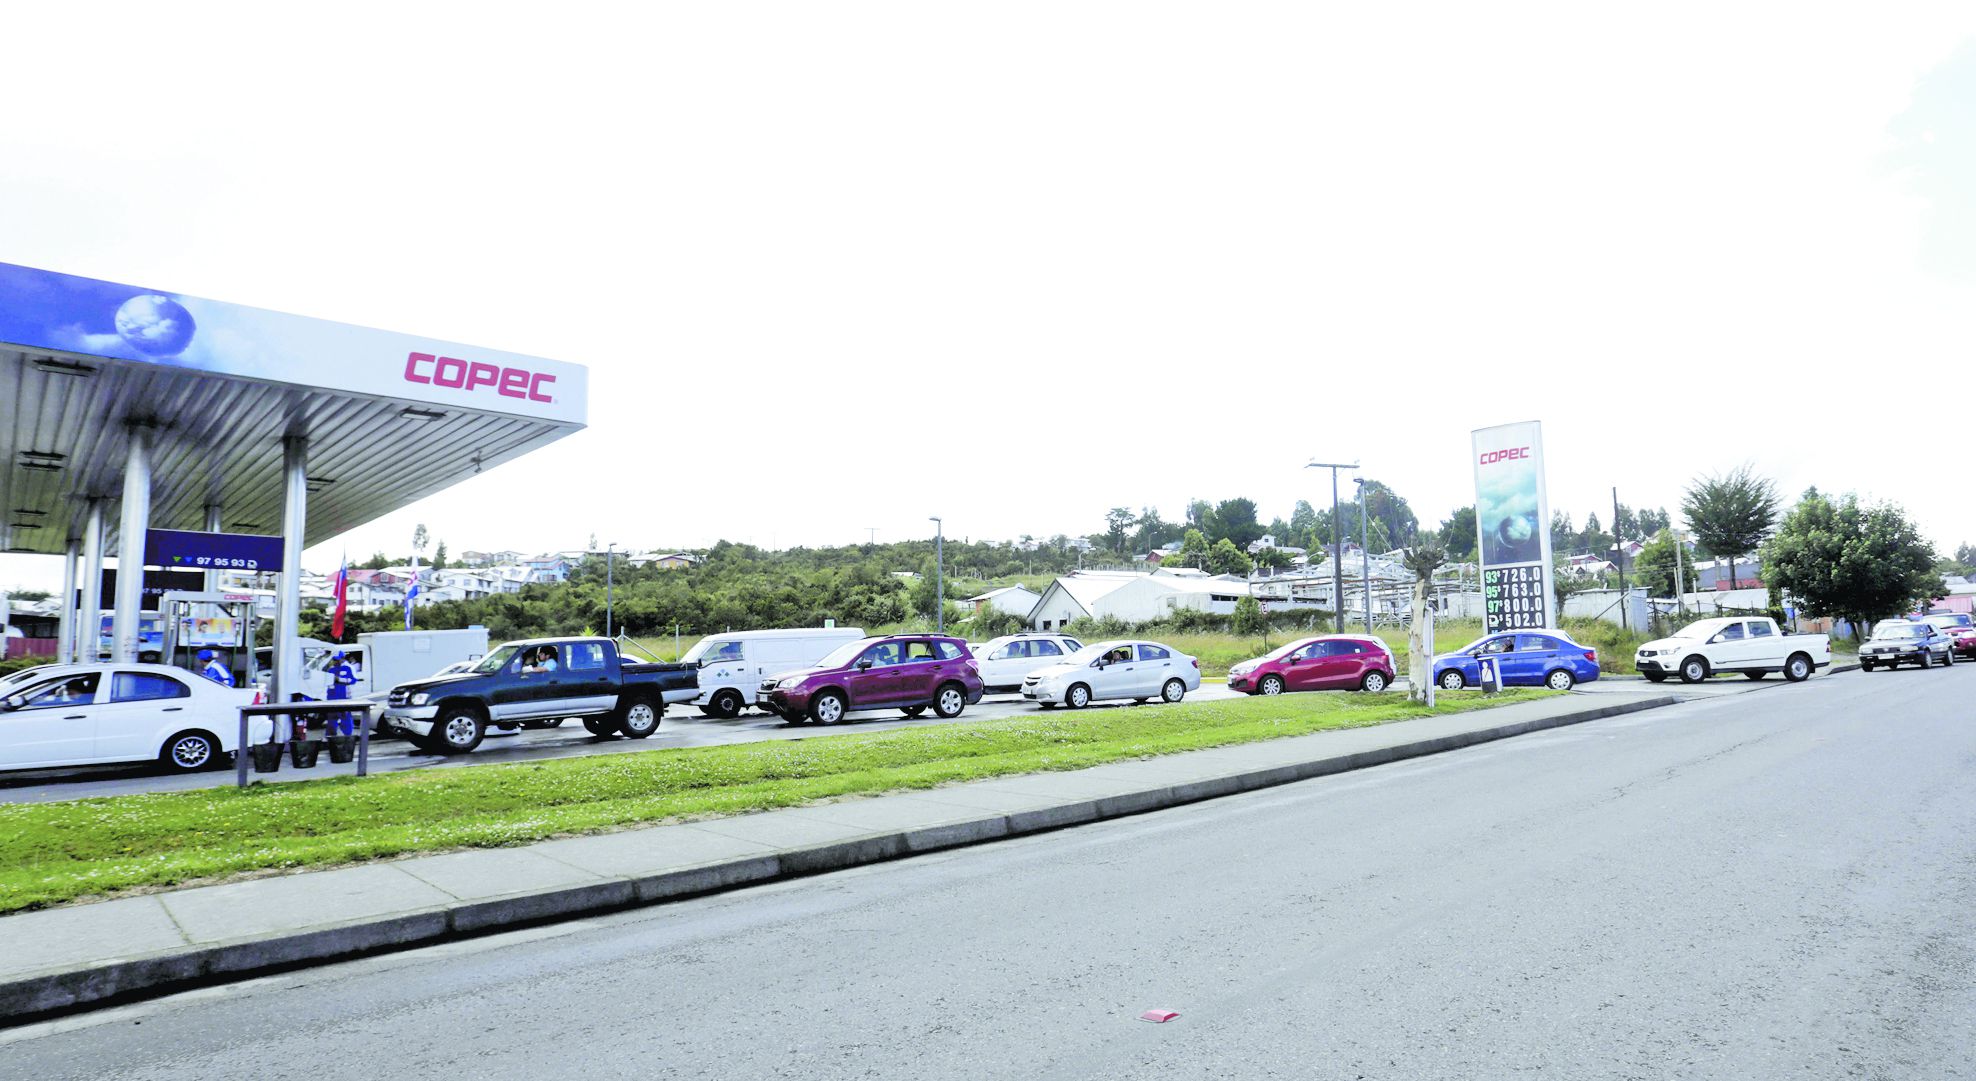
{"points": [[475, 375], [1493, 456]]}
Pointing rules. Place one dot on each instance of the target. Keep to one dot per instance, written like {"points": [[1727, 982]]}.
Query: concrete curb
{"points": [[115, 980]]}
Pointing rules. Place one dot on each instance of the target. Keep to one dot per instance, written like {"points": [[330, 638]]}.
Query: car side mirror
{"points": [[11, 703], [864, 664]]}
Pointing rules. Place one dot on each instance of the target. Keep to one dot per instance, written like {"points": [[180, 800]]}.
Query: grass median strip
{"points": [[51, 853]]}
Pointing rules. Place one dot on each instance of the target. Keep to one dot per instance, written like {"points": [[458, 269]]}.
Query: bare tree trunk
{"points": [[1420, 648]]}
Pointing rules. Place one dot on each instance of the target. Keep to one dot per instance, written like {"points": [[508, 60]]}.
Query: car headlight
{"points": [[790, 682], [1242, 669], [421, 698]]}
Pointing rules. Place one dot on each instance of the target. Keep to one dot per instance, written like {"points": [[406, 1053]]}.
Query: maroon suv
{"points": [[1327, 662], [907, 672]]}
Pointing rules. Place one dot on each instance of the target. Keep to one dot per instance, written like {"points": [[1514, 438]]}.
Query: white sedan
{"points": [[94, 714], [1005, 662], [1112, 670]]}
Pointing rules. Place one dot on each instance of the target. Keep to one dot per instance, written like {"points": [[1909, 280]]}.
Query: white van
{"points": [[733, 665]]}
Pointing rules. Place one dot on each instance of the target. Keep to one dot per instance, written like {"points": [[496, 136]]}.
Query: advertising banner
{"points": [[1512, 527], [40, 309], [156, 585]]}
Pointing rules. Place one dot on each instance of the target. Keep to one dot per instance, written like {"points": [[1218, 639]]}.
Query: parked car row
{"points": [[1899, 641]]}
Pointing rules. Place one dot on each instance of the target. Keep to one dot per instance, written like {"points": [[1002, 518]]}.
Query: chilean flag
{"points": [[342, 599], [411, 593]]}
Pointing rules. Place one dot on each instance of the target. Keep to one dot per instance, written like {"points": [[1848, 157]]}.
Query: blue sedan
{"points": [[1529, 658]]}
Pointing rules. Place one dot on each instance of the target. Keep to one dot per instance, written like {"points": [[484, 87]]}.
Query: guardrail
{"points": [[307, 709]]}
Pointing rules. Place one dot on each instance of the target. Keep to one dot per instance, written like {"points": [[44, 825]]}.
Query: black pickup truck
{"points": [[539, 680]]}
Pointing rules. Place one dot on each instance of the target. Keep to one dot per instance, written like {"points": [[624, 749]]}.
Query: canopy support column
{"points": [[288, 592], [89, 621], [135, 522], [65, 637]]}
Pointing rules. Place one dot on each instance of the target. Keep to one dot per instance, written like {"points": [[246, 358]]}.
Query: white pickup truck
{"points": [[1754, 646]]}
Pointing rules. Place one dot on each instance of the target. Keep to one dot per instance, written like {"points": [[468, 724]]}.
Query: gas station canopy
{"points": [[216, 388]]}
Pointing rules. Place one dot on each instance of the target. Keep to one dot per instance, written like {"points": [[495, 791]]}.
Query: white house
{"points": [[1015, 600]]}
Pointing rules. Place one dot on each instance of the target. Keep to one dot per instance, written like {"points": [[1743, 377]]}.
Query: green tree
{"points": [[439, 557], [1118, 525], [1248, 619], [1274, 557], [1858, 563], [1194, 550], [1303, 518], [1458, 535], [1388, 509], [1225, 558], [1731, 513], [377, 562], [1654, 568], [27, 595], [1236, 519], [1650, 522], [1563, 534]]}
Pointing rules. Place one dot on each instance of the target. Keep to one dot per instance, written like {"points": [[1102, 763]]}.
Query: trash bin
{"points": [[266, 756], [302, 752], [342, 749]]}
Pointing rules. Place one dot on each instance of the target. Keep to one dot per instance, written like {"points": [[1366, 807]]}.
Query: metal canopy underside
{"points": [[218, 440]]}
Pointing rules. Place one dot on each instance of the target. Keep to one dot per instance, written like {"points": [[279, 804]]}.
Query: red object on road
{"points": [[1159, 1017]]}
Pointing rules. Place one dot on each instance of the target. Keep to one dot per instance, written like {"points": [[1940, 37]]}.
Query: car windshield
{"points": [[1285, 650], [496, 660], [1702, 629], [1090, 653], [843, 654], [1896, 630]]}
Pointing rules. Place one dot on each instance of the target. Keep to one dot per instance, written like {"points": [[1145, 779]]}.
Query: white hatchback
{"points": [[1110, 670], [93, 714], [1006, 661]]}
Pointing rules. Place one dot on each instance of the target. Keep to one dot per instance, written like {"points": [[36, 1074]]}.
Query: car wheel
{"points": [[458, 730], [1927, 659], [1270, 685], [1948, 659], [599, 726], [1798, 668], [1174, 690], [1694, 670], [827, 708], [913, 711], [727, 704], [1452, 680], [1047, 705], [1754, 675], [1866, 666], [949, 700], [189, 752], [1078, 696], [639, 718], [707, 711], [1373, 683], [1559, 680], [1655, 677]]}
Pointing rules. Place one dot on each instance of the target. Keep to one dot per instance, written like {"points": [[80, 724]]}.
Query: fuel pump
{"points": [[220, 621]]}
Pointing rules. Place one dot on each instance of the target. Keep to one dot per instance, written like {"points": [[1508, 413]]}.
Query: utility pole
{"points": [[610, 560], [1619, 559], [1337, 543], [1365, 552], [939, 577], [1680, 576]]}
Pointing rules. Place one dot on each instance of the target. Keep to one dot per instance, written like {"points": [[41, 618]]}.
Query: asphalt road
{"points": [[1767, 885], [684, 726]]}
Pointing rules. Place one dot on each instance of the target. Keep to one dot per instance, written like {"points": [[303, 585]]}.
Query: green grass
{"points": [[56, 852]]}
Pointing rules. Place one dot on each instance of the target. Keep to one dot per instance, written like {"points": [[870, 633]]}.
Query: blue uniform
{"points": [[341, 679], [218, 673]]}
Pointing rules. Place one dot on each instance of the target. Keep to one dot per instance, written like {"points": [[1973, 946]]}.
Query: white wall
{"points": [[1057, 610], [1018, 601], [1606, 604]]}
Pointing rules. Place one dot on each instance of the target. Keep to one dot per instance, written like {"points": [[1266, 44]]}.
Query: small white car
{"points": [[94, 714], [1006, 661], [1132, 669]]}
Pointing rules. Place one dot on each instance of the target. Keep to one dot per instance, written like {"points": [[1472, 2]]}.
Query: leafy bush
{"points": [[1248, 620]]}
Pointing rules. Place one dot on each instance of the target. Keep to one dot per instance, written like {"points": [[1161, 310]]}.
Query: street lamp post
{"points": [[1365, 552], [1337, 542], [939, 577], [610, 560]]}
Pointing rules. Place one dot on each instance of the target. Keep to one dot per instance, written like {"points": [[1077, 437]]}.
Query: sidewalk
{"points": [[64, 958]]}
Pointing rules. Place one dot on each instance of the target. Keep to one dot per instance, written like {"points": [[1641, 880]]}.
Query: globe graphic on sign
{"points": [[155, 326]]}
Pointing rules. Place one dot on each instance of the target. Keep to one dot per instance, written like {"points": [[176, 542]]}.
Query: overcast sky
{"points": [[838, 267]]}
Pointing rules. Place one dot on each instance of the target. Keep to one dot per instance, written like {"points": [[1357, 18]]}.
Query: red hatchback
{"points": [[1329, 662], [1962, 641]]}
